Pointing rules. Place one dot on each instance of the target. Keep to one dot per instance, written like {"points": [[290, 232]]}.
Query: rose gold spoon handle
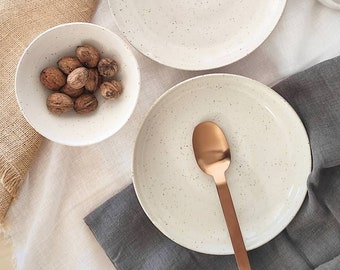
{"points": [[213, 156], [232, 222]]}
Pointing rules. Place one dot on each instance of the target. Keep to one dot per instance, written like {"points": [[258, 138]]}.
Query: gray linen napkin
{"points": [[311, 240]]}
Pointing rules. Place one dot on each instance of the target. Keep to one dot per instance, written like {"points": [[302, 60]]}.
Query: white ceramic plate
{"points": [[196, 35], [267, 177], [71, 128]]}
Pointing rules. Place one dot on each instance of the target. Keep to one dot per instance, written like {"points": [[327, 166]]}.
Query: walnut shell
{"points": [[88, 55], [85, 103], [107, 67], [111, 90], [72, 92], [52, 78], [92, 82], [59, 103], [78, 77], [68, 63]]}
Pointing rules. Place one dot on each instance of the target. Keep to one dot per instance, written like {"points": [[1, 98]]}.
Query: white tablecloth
{"points": [[66, 183]]}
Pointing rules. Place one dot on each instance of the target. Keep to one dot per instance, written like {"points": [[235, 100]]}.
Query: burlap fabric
{"points": [[21, 21]]}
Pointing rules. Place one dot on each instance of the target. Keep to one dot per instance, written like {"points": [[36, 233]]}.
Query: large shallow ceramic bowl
{"points": [[72, 128], [196, 35], [267, 177]]}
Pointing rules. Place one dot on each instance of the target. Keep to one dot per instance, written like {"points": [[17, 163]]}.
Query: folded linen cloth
{"points": [[21, 21], [310, 241]]}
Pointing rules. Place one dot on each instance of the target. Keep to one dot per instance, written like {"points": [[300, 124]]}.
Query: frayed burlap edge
{"points": [[10, 181], [9, 178], [5, 202]]}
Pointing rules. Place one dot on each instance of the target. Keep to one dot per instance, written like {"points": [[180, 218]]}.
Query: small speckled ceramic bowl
{"points": [[71, 128]]}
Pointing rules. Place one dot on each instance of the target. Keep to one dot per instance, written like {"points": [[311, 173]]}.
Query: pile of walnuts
{"points": [[77, 78]]}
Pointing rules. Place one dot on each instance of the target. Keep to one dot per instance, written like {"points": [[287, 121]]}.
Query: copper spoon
{"points": [[212, 154]]}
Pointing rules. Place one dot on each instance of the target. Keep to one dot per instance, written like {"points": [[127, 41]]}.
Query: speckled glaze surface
{"points": [[267, 177], [196, 35], [71, 128]]}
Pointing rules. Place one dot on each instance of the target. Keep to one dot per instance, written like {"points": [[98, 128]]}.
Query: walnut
{"points": [[52, 78], [107, 67], [111, 89], [85, 103], [78, 77], [88, 55], [59, 103], [92, 82], [68, 63], [72, 92]]}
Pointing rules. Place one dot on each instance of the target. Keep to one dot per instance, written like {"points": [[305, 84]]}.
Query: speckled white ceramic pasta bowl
{"points": [[72, 128], [267, 177], [196, 35]]}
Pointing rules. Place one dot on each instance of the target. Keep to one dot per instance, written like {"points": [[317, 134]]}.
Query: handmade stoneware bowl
{"points": [[72, 128]]}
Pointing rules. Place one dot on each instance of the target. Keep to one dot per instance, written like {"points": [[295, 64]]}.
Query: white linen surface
{"points": [[66, 183]]}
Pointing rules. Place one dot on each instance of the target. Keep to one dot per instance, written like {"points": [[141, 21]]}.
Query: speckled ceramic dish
{"points": [[267, 177], [71, 128], [196, 35]]}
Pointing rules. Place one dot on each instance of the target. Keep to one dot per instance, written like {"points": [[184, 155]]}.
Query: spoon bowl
{"points": [[211, 148]]}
